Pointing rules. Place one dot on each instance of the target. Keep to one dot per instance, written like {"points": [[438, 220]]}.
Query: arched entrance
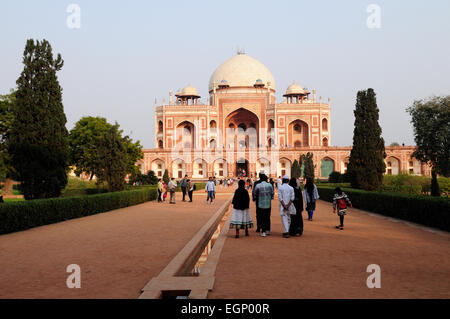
{"points": [[298, 134], [243, 129], [178, 168], [263, 166], [392, 165], [185, 135], [242, 168], [284, 167], [220, 168]]}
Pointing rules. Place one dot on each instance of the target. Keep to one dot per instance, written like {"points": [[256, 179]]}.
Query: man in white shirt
{"points": [[286, 196], [210, 188], [172, 185]]}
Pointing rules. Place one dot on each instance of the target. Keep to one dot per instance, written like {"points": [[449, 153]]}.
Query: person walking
{"points": [[190, 189], [210, 188], [340, 202], [172, 185], [160, 190], [264, 195], [183, 185], [296, 228], [164, 195], [254, 198], [241, 219], [310, 194], [286, 196]]}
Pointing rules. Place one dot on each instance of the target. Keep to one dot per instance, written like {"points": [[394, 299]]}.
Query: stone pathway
{"points": [[330, 263], [118, 251]]}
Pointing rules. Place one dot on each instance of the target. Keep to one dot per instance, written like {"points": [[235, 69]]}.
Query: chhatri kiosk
{"points": [[243, 128]]}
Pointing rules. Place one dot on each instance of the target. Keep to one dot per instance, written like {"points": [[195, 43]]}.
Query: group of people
{"points": [[187, 188], [291, 202], [164, 188]]}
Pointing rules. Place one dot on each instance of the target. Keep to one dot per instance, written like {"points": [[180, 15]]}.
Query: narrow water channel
{"points": [[207, 249]]}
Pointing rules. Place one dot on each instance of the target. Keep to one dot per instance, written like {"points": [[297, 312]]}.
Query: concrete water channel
{"points": [[190, 274]]}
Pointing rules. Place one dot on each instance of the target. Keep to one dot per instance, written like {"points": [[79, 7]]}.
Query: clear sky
{"points": [[127, 53]]}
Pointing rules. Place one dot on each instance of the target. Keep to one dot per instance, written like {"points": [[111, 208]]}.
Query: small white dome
{"points": [[294, 88], [189, 90]]}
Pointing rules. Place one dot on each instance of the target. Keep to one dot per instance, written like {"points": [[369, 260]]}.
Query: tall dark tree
{"points": [[366, 166], [431, 121], [112, 157], [307, 161], [38, 142], [435, 191], [296, 170], [166, 177]]}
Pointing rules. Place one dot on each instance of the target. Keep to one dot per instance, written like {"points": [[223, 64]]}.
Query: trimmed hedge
{"points": [[425, 210], [83, 191], [16, 216]]}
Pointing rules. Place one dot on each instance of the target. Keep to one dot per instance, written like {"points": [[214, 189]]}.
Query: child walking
{"points": [[340, 202]]}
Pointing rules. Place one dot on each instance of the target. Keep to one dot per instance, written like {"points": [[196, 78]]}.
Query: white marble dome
{"points": [[241, 70]]}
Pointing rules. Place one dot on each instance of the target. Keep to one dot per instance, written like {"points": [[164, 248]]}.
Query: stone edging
{"points": [[169, 279]]}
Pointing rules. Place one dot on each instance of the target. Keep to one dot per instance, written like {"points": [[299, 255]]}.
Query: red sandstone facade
{"points": [[243, 128]]}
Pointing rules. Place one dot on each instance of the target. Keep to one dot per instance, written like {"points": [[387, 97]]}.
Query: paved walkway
{"points": [[330, 263], [118, 251]]}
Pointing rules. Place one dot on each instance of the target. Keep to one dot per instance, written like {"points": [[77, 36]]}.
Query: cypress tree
{"points": [[38, 142], [366, 165], [295, 170], [166, 178], [435, 191], [307, 162]]}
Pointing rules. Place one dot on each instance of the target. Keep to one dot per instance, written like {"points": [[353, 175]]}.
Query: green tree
{"points": [[112, 159], [431, 121], [38, 142], [6, 123], [134, 154], [296, 170], [166, 178], [306, 160], [366, 166], [144, 179], [335, 177], [84, 139], [435, 191], [394, 144]]}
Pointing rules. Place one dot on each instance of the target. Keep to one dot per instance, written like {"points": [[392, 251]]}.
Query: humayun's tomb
{"points": [[243, 128]]}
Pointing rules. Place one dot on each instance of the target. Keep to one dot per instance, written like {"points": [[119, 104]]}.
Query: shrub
{"points": [[425, 210], [16, 216], [83, 191]]}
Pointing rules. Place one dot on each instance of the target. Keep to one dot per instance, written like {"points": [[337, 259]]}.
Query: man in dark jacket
{"points": [[183, 185]]}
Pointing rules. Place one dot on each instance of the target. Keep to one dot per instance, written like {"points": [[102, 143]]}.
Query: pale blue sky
{"points": [[129, 52]]}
